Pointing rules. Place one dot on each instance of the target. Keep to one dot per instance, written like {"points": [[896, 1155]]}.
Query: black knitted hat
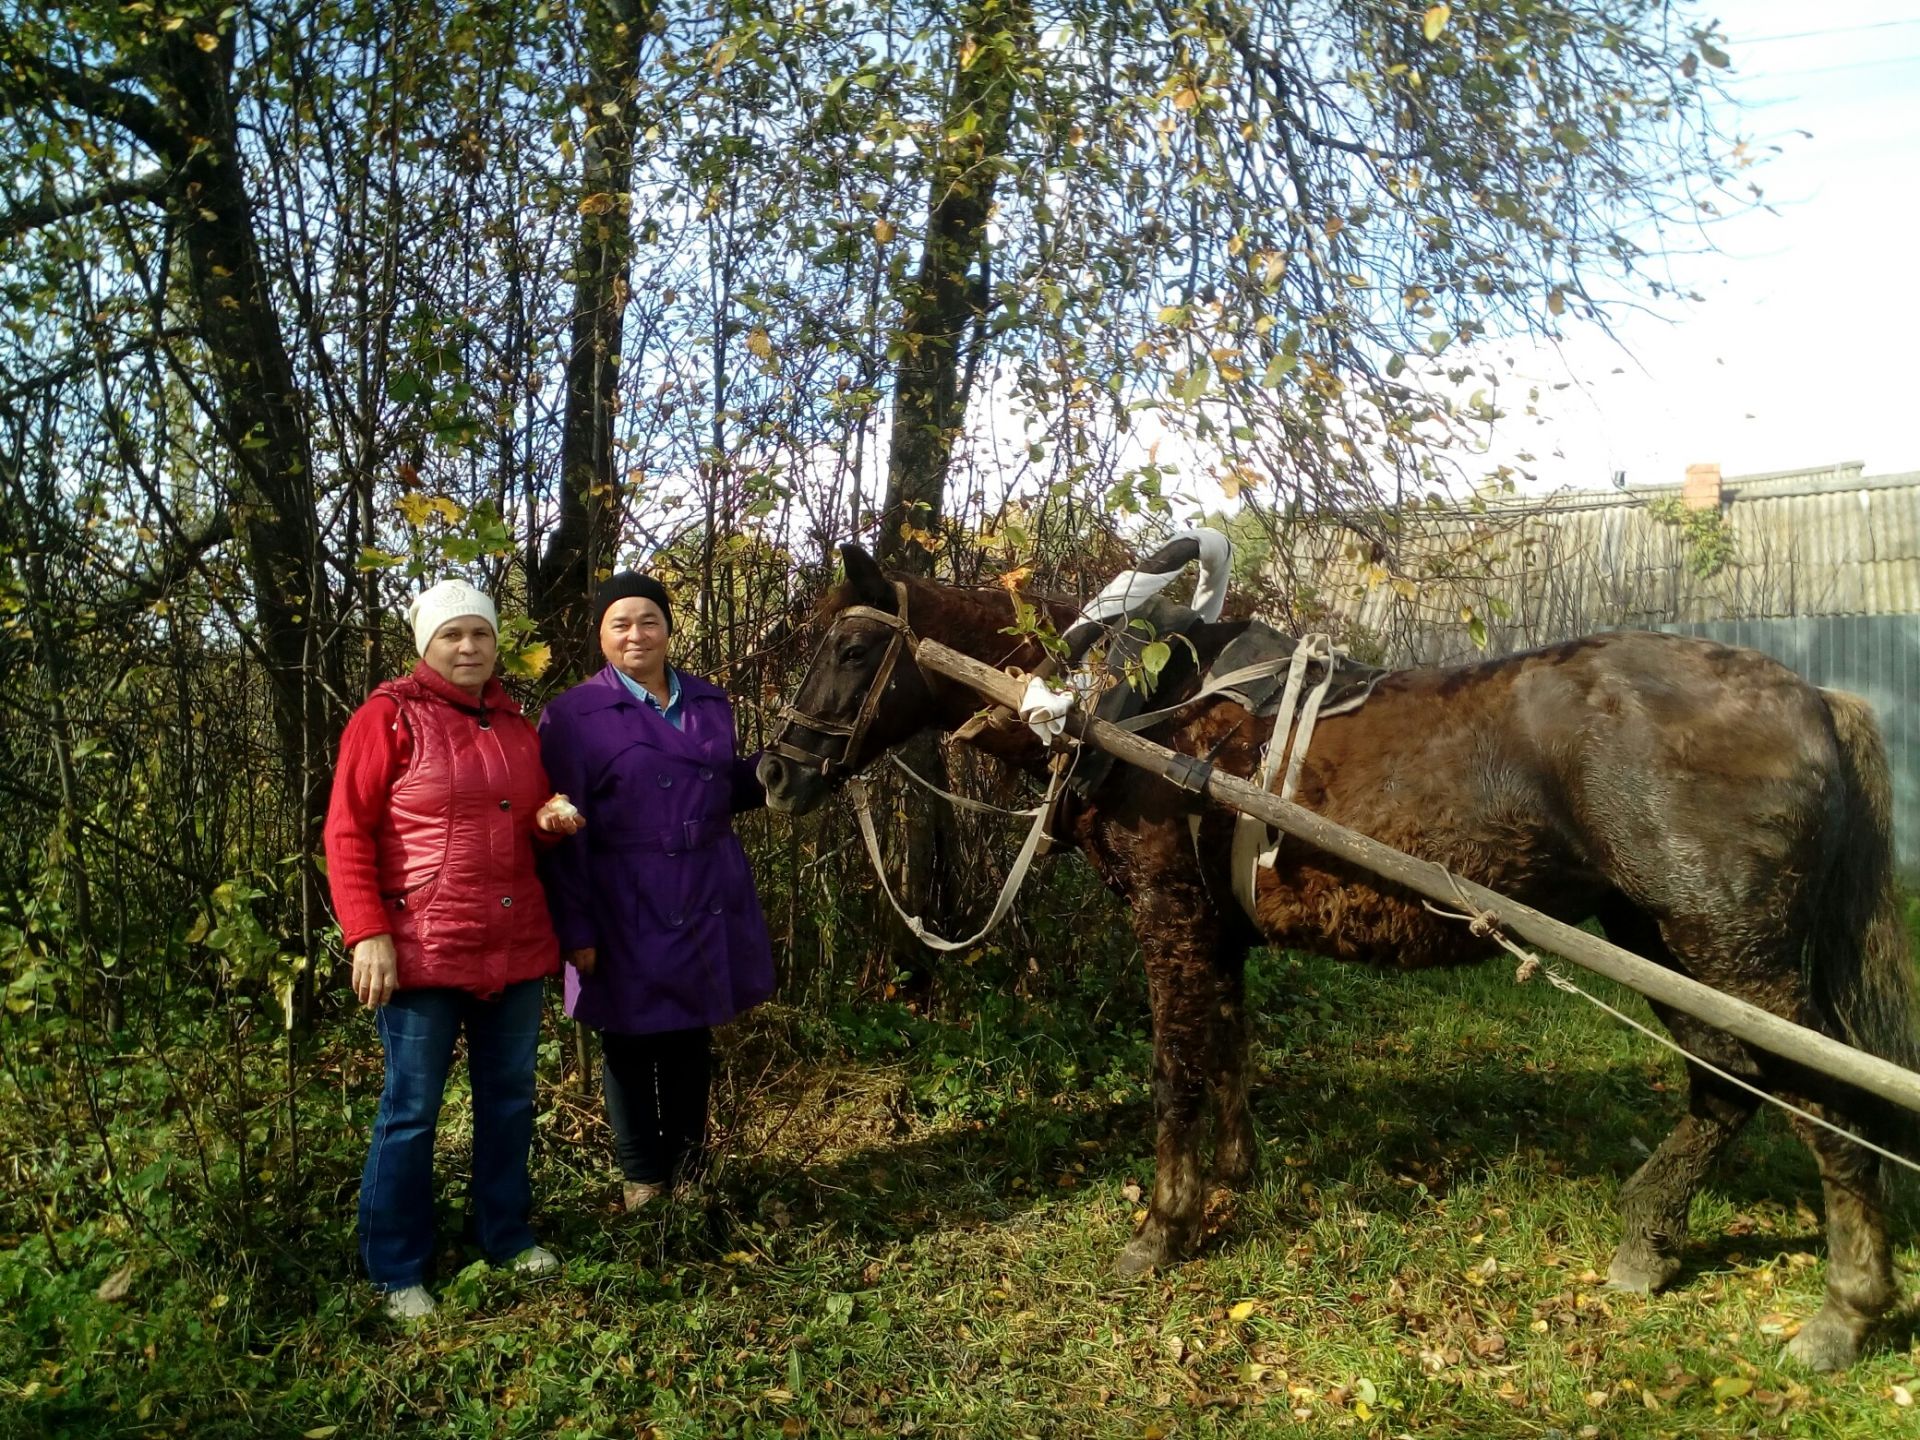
{"points": [[631, 583]]}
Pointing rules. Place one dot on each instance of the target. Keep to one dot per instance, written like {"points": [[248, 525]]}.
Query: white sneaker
{"points": [[410, 1302], [534, 1262]]}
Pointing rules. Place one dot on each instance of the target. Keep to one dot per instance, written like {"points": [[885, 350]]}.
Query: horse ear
{"points": [[870, 587]]}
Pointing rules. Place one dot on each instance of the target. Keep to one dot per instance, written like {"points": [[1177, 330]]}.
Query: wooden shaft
{"points": [[1737, 1018]]}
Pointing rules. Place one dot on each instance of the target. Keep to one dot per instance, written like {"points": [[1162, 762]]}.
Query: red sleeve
{"points": [[374, 752]]}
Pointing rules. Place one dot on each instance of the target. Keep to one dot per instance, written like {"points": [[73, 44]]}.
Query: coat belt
{"points": [[671, 840]]}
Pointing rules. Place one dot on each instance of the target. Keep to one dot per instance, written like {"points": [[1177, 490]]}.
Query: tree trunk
{"points": [[947, 298], [272, 490], [950, 294], [585, 539]]}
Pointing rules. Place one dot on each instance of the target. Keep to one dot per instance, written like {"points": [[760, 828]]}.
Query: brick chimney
{"points": [[1702, 491]]}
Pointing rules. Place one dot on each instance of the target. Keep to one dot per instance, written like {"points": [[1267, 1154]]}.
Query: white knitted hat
{"points": [[448, 600]]}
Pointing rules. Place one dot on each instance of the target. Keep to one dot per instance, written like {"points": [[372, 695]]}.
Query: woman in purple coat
{"points": [[653, 903]]}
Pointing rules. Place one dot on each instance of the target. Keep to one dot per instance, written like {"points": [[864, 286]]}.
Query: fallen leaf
{"points": [[116, 1285], [1240, 1312], [1902, 1396], [1731, 1387], [319, 1432]]}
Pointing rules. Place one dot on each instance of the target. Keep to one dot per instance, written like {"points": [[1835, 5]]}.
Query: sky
{"points": [[1805, 350]]}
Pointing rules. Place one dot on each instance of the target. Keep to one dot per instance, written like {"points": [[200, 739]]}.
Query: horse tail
{"points": [[1863, 972]]}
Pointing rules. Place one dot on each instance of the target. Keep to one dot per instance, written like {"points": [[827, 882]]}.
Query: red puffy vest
{"points": [[455, 846]]}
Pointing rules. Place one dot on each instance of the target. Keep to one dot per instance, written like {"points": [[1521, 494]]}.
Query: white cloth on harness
{"points": [[1044, 708]]}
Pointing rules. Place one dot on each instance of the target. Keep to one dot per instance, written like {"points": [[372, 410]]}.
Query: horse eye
{"points": [[853, 654]]}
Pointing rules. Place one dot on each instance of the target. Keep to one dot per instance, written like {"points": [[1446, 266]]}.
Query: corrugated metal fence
{"points": [[1877, 656]]}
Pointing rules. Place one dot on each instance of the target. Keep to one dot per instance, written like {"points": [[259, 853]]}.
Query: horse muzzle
{"points": [[792, 788]]}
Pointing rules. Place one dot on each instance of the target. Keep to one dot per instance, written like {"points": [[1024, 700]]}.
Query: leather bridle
{"points": [[827, 744]]}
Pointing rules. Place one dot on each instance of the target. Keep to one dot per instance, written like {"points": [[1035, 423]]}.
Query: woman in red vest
{"points": [[429, 836]]}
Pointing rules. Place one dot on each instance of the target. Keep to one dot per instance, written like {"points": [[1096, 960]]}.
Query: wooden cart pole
{"points": [[1743, 1021]]}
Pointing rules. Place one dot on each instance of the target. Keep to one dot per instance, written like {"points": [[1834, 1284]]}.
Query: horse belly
{"points": [[1313, 901]]}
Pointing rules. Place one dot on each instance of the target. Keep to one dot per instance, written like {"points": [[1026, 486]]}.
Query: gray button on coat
{"points": [[657, 883]]}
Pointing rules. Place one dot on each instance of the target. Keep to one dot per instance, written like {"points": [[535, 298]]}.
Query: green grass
{"points": [[910, 1235]]}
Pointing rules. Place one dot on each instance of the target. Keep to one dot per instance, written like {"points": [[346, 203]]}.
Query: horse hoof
{"points": [[1140, 1257], [1234, 1174], [1824, 1343], [1641, 1272]]}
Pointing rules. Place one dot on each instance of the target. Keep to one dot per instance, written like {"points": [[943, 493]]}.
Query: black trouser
{"points": [[657, 1101]]}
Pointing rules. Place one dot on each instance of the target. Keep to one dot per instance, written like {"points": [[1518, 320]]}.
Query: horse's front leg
{"points": [[1174, 927]]}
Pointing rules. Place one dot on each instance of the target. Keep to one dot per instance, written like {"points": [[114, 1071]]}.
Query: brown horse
{"points": [[1715, 812]]}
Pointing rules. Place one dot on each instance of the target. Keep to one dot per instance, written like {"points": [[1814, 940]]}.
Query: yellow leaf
{"points": [[596, 204], [219, 1302], [1363, 1410], [415, 508], [448, 508], [883, 231], [1902, 1396], [1186, 99], [1731, 1387], [1241, 1311], [759, 343], [319, 1432], [208, 43], [529, 662], [1556, 302], [1435, 20]]}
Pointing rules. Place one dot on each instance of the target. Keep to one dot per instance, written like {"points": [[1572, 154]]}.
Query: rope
{"points": [[979, 806], [1485, 923], [1022, 862]]}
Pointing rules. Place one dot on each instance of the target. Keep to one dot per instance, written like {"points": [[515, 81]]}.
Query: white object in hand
{"points": [[561, 808]]}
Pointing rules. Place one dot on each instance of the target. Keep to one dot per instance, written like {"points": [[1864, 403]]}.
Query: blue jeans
{"points": [[417, 1030]]}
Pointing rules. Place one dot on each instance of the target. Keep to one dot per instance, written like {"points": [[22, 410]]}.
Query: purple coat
{"points": [[657, 883]]}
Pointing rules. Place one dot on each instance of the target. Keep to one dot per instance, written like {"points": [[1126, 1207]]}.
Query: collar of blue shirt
{"points": [[671, 711]]}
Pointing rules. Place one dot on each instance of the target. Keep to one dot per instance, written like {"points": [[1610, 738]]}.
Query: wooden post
{"points": [[1737, 1018]]}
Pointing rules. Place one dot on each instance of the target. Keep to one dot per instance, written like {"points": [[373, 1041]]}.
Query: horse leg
{"points": [[1234, 1149], [1860, 1284], [1654, 1202], [1175, 925]]}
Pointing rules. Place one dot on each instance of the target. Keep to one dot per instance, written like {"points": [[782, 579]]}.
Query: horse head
{"points": [[861, 696]]}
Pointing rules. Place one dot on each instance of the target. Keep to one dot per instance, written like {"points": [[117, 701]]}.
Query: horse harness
{"points": [[833, 746], [811, 740]]}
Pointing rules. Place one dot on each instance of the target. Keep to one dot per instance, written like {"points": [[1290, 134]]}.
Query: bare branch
{"points": [[51, 209]]}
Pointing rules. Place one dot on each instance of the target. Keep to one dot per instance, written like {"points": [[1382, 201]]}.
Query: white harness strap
{"points": [[1254, 845], [1022, 862]]}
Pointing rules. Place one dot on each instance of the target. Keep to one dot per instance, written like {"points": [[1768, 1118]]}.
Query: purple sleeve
{"points": [[748, 792]]}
